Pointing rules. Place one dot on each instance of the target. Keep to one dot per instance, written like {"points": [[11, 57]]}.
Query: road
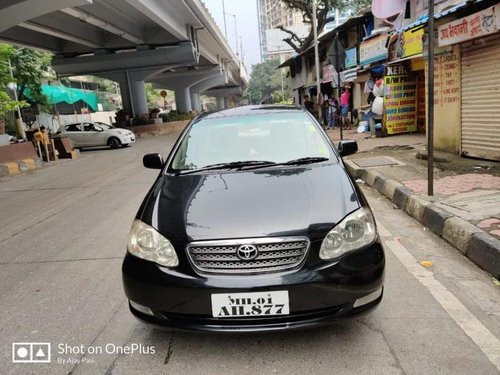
{"points": [[62, 239]]}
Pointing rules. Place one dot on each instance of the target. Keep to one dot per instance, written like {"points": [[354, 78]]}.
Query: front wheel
{"points": [[113, 143]]}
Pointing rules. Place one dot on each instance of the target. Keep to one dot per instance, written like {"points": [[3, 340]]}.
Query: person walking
{"points": [[344, 107], [332, 112]]}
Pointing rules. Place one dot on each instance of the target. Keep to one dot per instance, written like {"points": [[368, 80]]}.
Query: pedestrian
{"points": [[308, 104], [333, 106], [344, 107]]}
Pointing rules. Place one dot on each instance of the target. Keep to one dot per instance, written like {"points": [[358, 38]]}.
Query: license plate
{"points": [[250, 304]]}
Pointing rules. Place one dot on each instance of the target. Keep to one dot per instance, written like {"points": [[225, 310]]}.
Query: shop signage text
{"points": [[328, 73], [470, 27], [400, 101], [373, 50]]}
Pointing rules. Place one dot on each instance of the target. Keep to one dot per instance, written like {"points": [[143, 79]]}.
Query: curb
{"points": [[477, 245], [18, 167]]}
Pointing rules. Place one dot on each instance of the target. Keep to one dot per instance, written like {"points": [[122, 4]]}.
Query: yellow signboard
{"points": [[400, 100], [412, 42]]}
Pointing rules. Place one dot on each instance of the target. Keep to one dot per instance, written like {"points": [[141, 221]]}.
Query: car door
{"points": [[93, 135], [75, 133]]}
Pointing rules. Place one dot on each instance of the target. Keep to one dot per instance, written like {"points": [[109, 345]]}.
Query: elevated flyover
{"points": [[173, 43]]}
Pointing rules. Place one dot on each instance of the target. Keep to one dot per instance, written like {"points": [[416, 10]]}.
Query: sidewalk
{"points": [[465, 208]]}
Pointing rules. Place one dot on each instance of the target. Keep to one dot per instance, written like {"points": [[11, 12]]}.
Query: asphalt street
{"points": [[63, 232]]}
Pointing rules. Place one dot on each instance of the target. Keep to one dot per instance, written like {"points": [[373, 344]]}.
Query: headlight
{"points": [[145, 242], [123, 132], [355, 231]]}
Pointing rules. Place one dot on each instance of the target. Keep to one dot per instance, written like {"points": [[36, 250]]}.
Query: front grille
{"points": [[274, 255]]}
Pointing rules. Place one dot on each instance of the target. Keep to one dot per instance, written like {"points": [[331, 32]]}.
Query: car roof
{"points": [[248, 110]]}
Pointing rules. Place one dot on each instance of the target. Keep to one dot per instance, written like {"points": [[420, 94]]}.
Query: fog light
{"points": [[368, 298], [143, 309]]}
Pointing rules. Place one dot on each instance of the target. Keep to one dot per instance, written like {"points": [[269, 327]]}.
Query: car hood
{"points": [[288, 201]]}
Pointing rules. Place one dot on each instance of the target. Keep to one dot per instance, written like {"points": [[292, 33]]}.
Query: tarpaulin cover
{"points": [[59, 93]]}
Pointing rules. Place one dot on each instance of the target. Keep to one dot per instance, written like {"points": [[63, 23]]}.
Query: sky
{"points": [[246, 26]]}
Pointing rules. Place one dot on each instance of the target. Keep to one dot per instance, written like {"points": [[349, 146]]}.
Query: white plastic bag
{"points": [[378, 105]]}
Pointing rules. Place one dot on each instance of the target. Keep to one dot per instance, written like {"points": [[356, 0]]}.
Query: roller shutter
{"points": [[481, 98]]}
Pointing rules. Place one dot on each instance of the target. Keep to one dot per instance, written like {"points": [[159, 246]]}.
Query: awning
{"points": [[404, 59]]}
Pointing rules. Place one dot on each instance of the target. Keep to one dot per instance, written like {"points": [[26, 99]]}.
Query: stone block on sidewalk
{"points": [[434, 218], [380, 183], [390, 187], [415, 207], [354, 169], [484, 250], [458, 232], [369, 176], [9, 169], [401, 195]]}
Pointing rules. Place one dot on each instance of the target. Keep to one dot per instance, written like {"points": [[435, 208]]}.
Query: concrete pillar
{"points": [[183, 99], [133, 96], [220, 102], [139, 98], [227, 102], [195, 102]]}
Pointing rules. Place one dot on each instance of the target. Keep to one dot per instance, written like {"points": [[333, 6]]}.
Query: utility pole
{"points": [[337, 68], [430, 103], [235, 32], [316, 56]]}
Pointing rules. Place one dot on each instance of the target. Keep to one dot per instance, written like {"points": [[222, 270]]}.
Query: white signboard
{"points": [[470, 27]]}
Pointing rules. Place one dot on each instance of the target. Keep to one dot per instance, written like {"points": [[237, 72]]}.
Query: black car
{"points": [[253, 224]]}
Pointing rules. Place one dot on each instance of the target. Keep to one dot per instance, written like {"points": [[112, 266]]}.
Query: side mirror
{"points": [[347, 147], [152, 161]]}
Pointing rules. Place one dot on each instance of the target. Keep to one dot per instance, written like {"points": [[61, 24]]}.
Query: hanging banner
{"points": [[470, 27], [373, 50], [351, 59], [400, 100], [328, 73]]}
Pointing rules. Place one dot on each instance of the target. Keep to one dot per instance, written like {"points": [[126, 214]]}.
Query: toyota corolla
{"points": [[253, 224]]}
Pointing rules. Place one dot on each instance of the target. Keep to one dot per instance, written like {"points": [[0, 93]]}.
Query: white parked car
{"points": [[88, 134]]}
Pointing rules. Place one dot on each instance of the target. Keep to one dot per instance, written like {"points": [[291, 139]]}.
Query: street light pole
{"points": [[316, 56], [235, 31], [224, 15]]}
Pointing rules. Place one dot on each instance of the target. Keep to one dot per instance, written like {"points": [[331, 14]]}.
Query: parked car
{"points": [[89, 134], [253, 224]]}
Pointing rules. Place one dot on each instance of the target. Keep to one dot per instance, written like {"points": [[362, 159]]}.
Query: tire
{"points": [[113, 142], [125, 145]]}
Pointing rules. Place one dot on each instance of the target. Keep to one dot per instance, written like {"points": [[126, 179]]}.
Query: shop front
{"points": [[479, 41]]}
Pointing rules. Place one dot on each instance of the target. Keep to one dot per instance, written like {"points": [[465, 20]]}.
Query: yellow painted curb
{"points": [[30, 163], [13, 168]]}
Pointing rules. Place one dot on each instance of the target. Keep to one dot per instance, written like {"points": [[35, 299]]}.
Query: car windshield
{"points": [[233, 141], [105, 126]]}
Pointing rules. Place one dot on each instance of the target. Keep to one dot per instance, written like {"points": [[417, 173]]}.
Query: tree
{"points": [[323, 11], [30, 67], [265, 82], [7, 104]]}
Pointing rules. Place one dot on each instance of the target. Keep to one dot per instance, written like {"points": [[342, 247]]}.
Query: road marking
{"points": [[383, 230], [483, 338]]}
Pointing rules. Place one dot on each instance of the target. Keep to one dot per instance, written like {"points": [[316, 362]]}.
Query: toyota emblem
{"points": [[247, 252]]}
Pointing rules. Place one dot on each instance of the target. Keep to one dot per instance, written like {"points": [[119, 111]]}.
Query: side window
{"points": [[88, 127], [72, 128]]}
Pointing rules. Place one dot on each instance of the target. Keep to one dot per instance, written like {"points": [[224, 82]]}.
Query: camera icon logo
{"points": [[31, 352]]}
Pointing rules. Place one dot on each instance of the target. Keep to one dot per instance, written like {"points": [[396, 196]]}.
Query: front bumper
{"points": [[318, 294]]}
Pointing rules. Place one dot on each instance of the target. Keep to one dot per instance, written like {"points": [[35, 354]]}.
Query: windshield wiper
{"points": [[306, 160], [231, 165]]}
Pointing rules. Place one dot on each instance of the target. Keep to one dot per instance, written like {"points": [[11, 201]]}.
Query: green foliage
{"points": [[176, 116], [7, 104], [265, 82], [322, 9], [153, 96], [28, 68]]}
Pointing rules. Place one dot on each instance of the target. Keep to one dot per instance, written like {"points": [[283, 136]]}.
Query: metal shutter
{"points": [[481, 98]]}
